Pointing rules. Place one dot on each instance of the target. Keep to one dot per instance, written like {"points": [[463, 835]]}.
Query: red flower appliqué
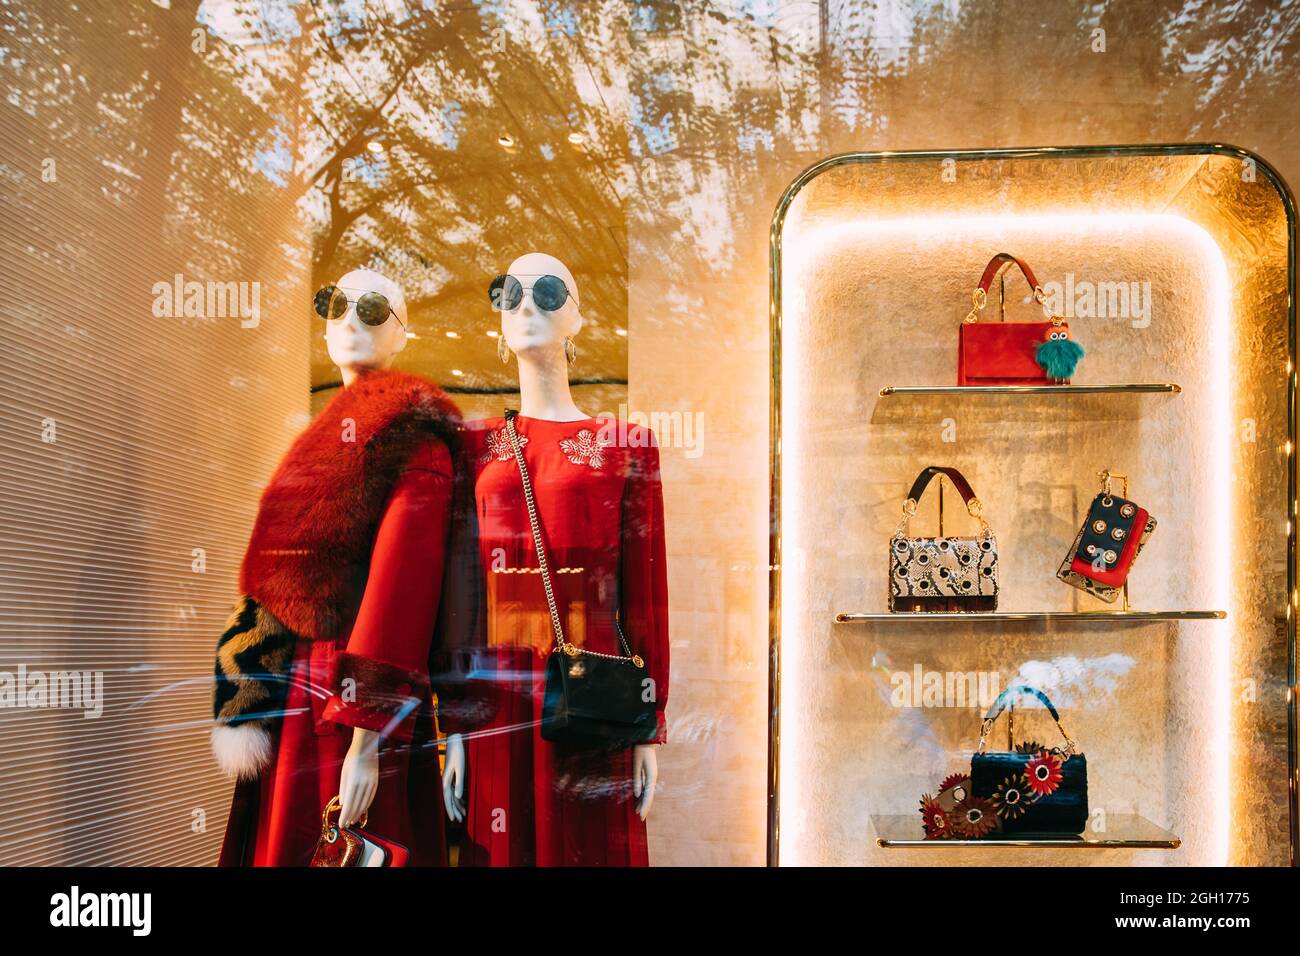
{"points": [[934, 820], [1043, 773], [974, 817]]}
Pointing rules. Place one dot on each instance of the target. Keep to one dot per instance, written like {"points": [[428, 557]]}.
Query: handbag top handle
{"points": [[973, 505], [331, 812], [1003, 260], [1000, 704], [573, 650]]}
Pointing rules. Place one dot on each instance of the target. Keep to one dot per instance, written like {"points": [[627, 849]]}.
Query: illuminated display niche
{"points": [[1175, 268]]}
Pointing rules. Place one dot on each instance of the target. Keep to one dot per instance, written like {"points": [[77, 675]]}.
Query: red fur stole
{"points": [[309, 554]]}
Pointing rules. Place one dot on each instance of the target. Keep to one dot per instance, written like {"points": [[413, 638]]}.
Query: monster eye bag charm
{"points": [[1058, 355], [1112, 536], [1014, 353]]}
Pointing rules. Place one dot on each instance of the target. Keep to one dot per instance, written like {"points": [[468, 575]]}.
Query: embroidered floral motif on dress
{"points": [[586, 448], [498, 447]]}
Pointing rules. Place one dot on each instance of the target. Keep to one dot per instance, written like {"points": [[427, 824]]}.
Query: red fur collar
{"points": [[309, 554]]}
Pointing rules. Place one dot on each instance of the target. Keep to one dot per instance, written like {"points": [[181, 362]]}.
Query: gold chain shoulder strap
{"points": [[544, 566]]}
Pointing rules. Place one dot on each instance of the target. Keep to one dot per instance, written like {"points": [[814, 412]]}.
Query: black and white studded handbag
{"points": [[943, 573]]}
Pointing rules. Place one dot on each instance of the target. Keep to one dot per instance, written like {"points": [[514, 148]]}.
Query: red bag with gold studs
{"points": [[1014, 353]]}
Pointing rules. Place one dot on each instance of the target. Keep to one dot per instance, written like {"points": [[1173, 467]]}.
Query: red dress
{"points": [[600, 505], [275, 820]]}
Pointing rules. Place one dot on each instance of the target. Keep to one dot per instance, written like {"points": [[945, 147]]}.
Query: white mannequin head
{"points": [[355, 347], [534, 335]]}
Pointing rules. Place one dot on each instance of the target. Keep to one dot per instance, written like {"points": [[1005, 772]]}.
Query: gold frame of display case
{"points": [[893, 393]]}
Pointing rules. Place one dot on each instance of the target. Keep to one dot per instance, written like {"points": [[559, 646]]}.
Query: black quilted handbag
{"points": [[1032, 789], [591, 699]]}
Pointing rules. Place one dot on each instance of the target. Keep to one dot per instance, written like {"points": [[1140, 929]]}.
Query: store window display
{"points": [[526, 799], [322, 676], [1179, 289]]}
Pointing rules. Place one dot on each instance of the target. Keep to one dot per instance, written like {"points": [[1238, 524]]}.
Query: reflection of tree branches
{"points": [[559, 190], [1225, 60], [330, 49], [352, 144], [419, 160], [715, 95]]}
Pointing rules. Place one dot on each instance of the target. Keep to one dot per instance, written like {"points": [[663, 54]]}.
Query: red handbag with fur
{"points": [[1014, 353]]}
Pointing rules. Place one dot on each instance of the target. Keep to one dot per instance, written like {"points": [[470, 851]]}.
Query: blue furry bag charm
{"points": [[1058, 355]]}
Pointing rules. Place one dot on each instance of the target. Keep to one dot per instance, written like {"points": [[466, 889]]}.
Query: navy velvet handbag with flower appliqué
{"points": [[1033, 790]]}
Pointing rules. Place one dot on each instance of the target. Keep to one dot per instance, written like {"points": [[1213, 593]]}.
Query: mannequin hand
{"points": [[360, 778], [645, 775], [453, 779]]}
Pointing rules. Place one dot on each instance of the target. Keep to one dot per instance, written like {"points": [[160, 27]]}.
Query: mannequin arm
{"points": [[645, 776], [360, 777], [453, 779]]}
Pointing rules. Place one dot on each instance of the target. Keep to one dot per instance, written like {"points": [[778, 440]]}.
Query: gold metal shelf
{"points": [[899, 404], [1124, 831], [1156, 387], [1118, 617]]}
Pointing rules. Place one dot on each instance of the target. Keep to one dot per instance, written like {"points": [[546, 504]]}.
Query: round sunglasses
{"points": [[549, 292], [373, 308]]}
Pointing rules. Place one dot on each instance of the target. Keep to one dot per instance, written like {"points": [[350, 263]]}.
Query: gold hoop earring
{"points": [[503, 351], [570, 350]]}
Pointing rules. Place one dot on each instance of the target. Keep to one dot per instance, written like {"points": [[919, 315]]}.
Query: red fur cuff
{"points": [[375, 695]]}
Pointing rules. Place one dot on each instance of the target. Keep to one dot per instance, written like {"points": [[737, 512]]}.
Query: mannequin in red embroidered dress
{"points": [[525, 800]]}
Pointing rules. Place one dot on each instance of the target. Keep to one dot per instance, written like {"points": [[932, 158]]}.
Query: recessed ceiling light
{"points": [[410, 335], [375, 146], [622, 332], [453, 335], [505, 141], [577, 139], [457, 372], [492, 333]]}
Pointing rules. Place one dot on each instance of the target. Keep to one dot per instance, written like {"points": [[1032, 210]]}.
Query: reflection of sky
{"points": [[453, 119], [1076, 682], [762, 12], [275, 160], [885, 31], [442, 126], [748, 140], [276, 22], [1070, 682], [369, 168], [643, 19], [657, 137], [560, 20]]}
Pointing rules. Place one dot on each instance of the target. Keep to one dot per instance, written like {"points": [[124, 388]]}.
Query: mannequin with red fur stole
{"points": [[343, 581]]}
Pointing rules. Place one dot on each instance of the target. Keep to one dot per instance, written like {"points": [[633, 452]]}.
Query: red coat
{"points": [[600, 504], [388, 619]]}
